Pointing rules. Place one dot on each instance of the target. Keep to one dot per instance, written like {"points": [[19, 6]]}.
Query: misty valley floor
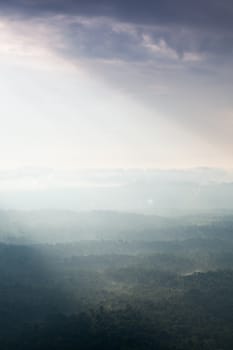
{"points": [[120, 294]]}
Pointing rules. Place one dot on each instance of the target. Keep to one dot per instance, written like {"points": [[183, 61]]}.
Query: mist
{"points": [[143, 191]]}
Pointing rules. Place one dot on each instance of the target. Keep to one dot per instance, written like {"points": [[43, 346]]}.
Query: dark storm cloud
{"points": [[202, 26], [206, 13], [102, 40]]}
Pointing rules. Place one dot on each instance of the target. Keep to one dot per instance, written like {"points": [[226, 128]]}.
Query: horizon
{"points": [[146, 191]]}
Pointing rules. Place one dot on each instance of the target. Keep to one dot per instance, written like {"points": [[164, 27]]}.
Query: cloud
{"points": [[114, 28], [208, 13], [39, 179]]}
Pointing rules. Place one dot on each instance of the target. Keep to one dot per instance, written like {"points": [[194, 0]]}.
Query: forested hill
{"points": [[50, 226], [165, 296]]}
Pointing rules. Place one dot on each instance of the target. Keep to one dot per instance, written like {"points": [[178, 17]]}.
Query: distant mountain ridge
{"points": [[54, 226]]}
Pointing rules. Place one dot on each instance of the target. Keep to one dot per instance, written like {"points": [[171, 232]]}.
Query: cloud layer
{"points": [[182, 27]]}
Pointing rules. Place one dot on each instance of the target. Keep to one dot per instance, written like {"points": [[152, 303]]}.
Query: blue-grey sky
{"points": [[116, 84]]}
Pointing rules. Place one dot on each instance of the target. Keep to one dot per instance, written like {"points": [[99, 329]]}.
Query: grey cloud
{"points": [[108, 40], [184, 25], [207, 13]]}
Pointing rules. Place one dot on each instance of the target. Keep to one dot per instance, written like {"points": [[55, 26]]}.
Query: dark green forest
{"points": [[119, 294]]}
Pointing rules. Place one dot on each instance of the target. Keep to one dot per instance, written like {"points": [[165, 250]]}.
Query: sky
{"points": [[116, 84]]}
